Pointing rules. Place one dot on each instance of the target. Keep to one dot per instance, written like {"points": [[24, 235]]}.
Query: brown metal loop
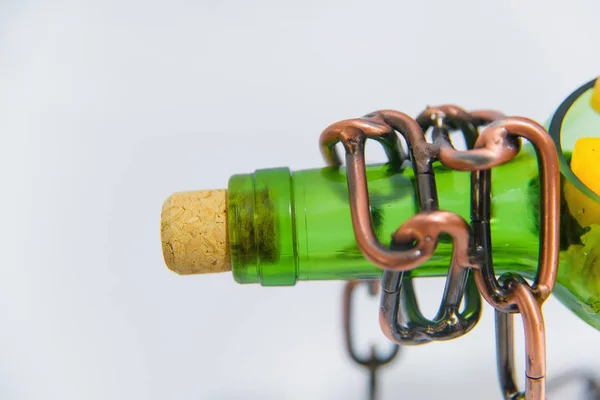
{"points": [[535, 342], [449, 116], [550, 206], [424, 228], [422, 152], [373, 362], [352, 134], [493, 147]]}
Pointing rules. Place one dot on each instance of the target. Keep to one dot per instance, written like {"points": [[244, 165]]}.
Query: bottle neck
{"points": [[261, 228]]}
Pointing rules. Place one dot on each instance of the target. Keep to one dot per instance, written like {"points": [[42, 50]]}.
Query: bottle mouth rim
{"points": [[555, 130]]}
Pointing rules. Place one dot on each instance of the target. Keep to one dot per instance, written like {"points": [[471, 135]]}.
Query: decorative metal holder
{"points": [[491, 140]]}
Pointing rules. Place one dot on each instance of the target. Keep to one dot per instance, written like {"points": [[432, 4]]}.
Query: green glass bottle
{"points": [[285, 226]]}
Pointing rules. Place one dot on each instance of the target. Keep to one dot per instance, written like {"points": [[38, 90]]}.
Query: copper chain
{"points": [[415, 240]]}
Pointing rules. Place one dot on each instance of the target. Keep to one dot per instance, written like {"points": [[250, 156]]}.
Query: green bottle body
{"points": [[286, 226]]}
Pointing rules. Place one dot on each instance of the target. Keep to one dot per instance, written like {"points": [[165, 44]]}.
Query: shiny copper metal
{"points": [[493, 147], [399, 315], [398, 290], [535, 343], [415, 241], [353, 134], [542, 286], [513, 293], [498, 144], [426, 226], [374, 361], [453, 117]]}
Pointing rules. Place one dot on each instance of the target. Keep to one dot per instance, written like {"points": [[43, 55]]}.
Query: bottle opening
{"points": [[575, 129]]}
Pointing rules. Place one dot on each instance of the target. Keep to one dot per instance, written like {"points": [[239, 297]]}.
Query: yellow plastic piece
{"points": [[595, 102], [585, 164]]}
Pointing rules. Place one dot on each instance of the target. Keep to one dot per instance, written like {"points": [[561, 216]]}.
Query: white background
{"points": [[108, 107]]}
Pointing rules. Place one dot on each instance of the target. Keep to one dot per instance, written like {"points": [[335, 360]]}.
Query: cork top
{"points": [[193, 230]]}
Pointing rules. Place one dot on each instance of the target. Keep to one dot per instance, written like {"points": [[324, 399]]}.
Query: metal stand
{"points": [[491, 140]]}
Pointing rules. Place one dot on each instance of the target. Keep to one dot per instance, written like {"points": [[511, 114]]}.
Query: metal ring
{"points": [[545, 277]]}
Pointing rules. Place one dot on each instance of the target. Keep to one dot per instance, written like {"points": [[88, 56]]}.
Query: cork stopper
{"points": [[193, 230], [595, 102]]}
